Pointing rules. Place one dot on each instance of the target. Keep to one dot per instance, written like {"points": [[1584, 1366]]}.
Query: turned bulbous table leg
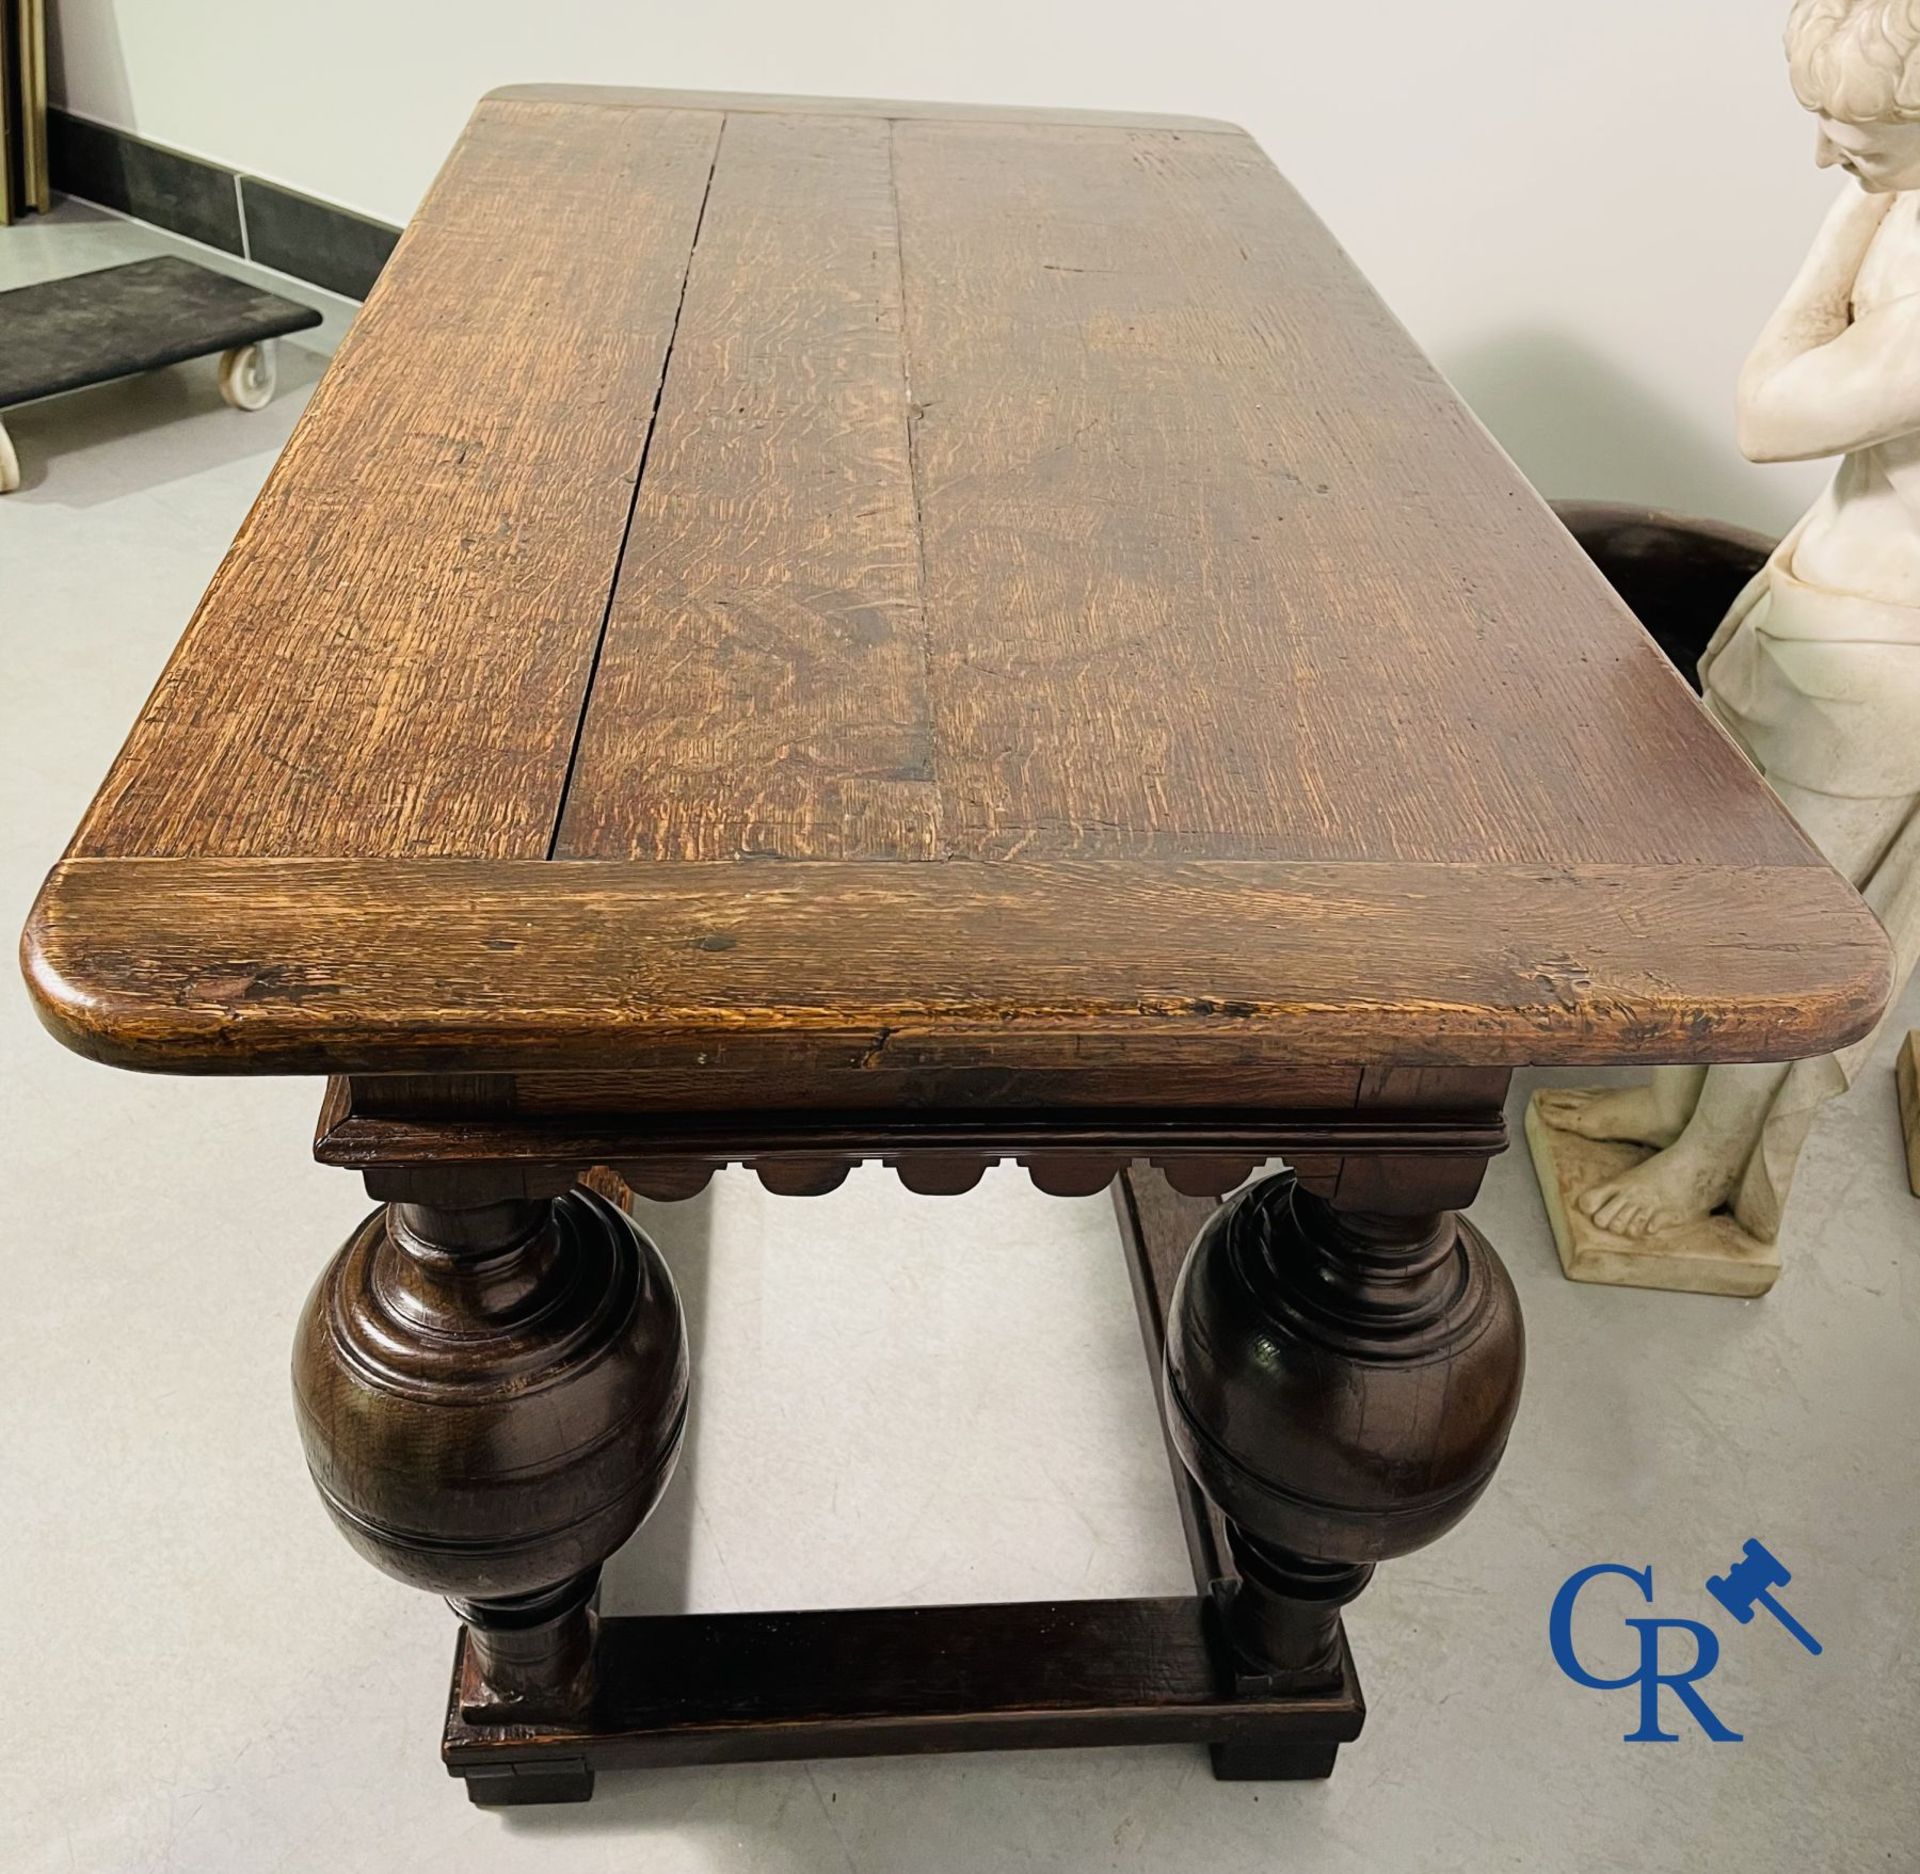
{"points": [[1340, 1384], [492, 1397]]}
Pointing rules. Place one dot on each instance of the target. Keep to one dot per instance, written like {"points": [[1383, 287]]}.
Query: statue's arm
{"points": [[1819, 382], [1854, 392]]}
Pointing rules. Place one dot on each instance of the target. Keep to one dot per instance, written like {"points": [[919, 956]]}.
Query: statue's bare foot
{"points": [[1672, 1188], [1634, 1114]]}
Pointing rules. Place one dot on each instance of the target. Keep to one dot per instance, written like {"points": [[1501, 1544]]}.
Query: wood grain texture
{"points": [[907, 1078], [394, 966], [394, 655], [1046, 536], [1217, 564], [763, 682]]}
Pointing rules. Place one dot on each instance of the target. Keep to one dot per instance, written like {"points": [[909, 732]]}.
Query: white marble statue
{"points": [[1816, 671]]}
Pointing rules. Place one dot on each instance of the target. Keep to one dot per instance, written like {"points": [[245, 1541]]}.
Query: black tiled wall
{"points": [[179, 193], [310, 240], [313, 240]]}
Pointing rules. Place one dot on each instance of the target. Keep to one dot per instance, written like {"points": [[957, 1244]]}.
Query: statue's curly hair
{"points": [[1857, 61]]}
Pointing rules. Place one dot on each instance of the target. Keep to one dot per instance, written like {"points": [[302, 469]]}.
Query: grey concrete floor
{"points": [[900, 1399]]}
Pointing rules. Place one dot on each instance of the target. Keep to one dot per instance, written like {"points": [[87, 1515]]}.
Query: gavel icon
{"points": [[1750, 1582]]}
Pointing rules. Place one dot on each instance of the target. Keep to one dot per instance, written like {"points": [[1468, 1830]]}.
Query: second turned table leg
{"points": [[1340, 1384]]}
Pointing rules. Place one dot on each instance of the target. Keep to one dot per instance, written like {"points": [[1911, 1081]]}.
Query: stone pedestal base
{"points": [[1712, 1257]]}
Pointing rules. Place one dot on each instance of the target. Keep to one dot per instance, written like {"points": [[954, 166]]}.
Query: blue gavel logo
{"points": [[1750, 1582], [1747, 1585]]}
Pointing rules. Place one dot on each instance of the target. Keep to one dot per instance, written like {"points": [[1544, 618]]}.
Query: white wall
{"points": [[1583, 208]]}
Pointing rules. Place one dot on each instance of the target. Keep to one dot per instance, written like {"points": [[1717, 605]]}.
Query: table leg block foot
{"points": [[515, 1788], [1273, 1763]]}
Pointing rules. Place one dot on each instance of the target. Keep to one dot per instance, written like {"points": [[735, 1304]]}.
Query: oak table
{"points": [[798, 631]]}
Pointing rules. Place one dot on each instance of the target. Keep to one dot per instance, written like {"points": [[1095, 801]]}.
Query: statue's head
{"points": [[1856, 65]]}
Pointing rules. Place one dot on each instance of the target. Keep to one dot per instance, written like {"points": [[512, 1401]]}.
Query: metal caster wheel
{"points": [[247, 375]]}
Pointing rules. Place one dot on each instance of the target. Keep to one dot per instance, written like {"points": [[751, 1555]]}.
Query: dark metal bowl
{"points": [[1678, 576]]}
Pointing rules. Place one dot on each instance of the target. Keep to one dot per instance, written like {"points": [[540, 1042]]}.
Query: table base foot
{"points": [[523, 1785], [1273, 1763]]}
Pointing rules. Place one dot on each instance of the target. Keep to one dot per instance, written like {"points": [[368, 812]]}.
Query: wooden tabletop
{"points": [[778, 568]]}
